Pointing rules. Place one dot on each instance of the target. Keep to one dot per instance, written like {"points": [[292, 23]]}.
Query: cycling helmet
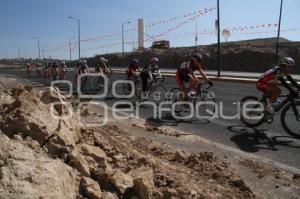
{"points": [[197, 57], [287, 61], [135, 62], [154, 59], [103, 60], [63, 63]]}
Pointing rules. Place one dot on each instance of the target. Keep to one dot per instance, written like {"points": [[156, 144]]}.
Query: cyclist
{"points": [[54, 71], [83, 67], [186, 74], [104, 67], [28, 69], [150, 72], [62, 70], [269, 82], [133, 69]]}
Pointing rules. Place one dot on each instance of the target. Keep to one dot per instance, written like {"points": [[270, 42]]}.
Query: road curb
{"points": [[215, 78]]}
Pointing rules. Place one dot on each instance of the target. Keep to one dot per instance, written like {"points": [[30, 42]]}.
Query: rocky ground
{"points": [[45, 152]]}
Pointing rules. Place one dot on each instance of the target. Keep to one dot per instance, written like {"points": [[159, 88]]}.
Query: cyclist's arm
{"points": [[158, 73], [286, 85], [150, 75], [101, 71], [109, 67], [203, 74], [293, 82]]}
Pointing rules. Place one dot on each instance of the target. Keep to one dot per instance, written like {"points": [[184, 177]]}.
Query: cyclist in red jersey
{"points": [[270, 81], [132, 69]]}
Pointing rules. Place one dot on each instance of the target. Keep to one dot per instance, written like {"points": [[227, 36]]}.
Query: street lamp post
{"points": [[219, 45], [127, 22], [38, 41], [278, 32], [78, 24], [70, 49]]}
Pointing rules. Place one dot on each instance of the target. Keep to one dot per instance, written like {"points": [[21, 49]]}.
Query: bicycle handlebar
{"points": [[206, 82]]}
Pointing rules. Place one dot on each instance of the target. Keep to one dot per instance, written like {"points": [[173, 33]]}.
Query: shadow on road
{"points": [[252, 140]]}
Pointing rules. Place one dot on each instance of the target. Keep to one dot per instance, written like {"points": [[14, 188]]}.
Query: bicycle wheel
{"points": [[175, 95], [127, 88], [252, 111], [86, 87], [99, 83], [158, 93], [138, 87], [205, 104], [290, 119]]}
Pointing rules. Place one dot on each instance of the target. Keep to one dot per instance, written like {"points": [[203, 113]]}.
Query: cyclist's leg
{"points": [[271, 91], [144, 81], [181, 86], [193, 84]]}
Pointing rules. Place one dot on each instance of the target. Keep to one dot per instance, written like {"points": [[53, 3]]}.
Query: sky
{"points": [[21, 20]]}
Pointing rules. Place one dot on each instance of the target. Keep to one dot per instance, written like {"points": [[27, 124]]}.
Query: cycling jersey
{"points": [[83, 68], [271, 75], [131, 69], [150, 68], [184, 71], [105, 68]]}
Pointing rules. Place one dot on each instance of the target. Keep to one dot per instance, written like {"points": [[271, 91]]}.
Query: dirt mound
{"points": [[45, 152], [29, 173], [33, 114]]}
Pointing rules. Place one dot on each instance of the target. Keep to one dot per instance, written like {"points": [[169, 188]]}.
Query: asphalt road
{"points": [[269, 141]]}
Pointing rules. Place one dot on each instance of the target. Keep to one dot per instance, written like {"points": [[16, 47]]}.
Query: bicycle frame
{"points": [[290, 98]]}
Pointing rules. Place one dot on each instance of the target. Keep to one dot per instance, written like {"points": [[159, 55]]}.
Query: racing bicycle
{"points": [[253, 112], [202, 100]]}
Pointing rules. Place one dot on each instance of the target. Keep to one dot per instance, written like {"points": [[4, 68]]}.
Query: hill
{"points": [[249, 56]]}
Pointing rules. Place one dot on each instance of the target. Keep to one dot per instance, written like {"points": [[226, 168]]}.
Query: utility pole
{"points": [[196, 32], [70, 49], [78, 24], [127, 22], [278, 32], [219, 45], [43, 51]]}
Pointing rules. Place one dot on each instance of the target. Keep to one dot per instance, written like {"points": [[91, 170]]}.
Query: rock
{"points": [[79, 163], [29, 173], [117, 158], [108, 195], [121, 181], [91, 188], [239, 183], [18, 137], [104, 174], [178, 157], [143, 182], [296, 176], [98, 154]]}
